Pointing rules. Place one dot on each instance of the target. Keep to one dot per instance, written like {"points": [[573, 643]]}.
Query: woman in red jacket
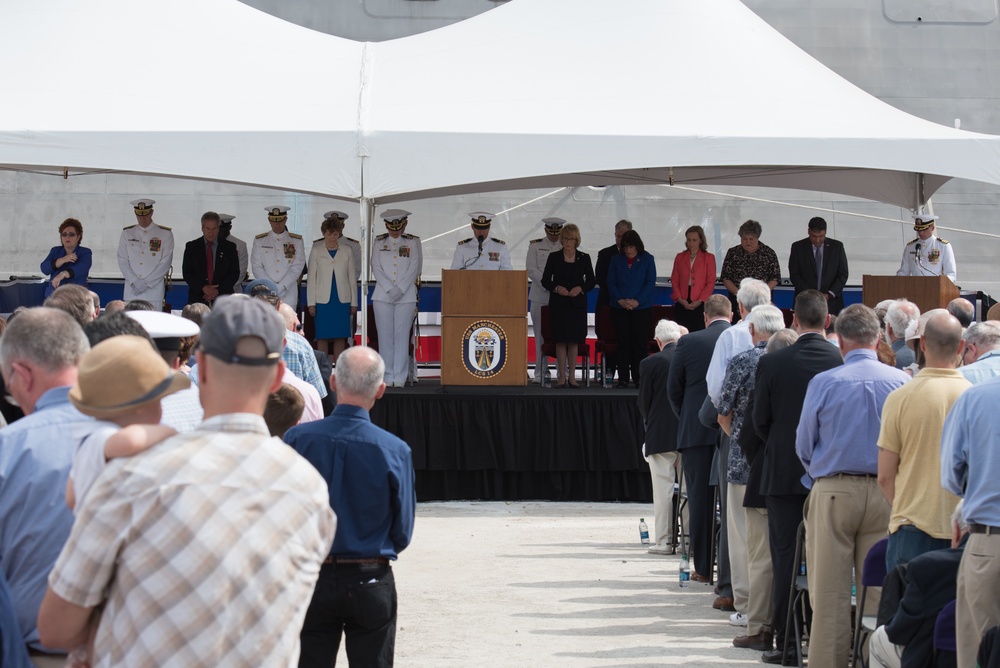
{"points": [[693, 280]]}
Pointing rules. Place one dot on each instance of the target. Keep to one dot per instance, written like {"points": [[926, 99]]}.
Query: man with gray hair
{"points": [[39, 355], [736, 339], [661, 431], [370, 475], [901, 315], [750, 565], [981, 355]]}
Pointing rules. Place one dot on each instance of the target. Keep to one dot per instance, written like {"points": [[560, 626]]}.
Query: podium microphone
{"points": [[916, 250], [480, 239]]}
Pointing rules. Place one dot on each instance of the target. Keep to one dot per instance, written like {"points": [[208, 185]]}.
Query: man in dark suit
{"points": [[929, 583], [601, 274], [780, 388], [661, 430], [819, 263], [687, 391], [206, 281]]}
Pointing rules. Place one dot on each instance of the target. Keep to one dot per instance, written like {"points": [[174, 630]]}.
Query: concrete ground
{"points": [[544, 584]]}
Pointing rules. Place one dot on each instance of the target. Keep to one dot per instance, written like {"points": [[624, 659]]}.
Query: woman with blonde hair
{"points": [[568, 276]]}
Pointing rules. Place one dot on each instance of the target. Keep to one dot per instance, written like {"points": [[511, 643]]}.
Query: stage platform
{"points": [[520, 443]]}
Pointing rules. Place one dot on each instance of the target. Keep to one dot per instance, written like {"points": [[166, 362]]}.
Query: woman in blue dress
{"points": [[331, 293], [70, 262]]}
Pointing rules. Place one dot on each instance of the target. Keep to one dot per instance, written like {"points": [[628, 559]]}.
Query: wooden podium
{"points": [[484, 327], [927, 292]]}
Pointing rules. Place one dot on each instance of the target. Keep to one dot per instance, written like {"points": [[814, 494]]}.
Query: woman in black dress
{"points": [[568, 276]]}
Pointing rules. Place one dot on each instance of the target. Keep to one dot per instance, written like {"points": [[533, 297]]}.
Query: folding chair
{"points": [[944, 631], [797, 621], [678, 536], [607, 340], [872, 575]]}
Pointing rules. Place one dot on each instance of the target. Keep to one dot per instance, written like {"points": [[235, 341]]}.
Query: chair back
{"points": [[944, 629], [372, 328], [603, 327], [874, 571]]}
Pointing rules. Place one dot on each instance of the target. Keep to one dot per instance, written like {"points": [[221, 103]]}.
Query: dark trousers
{"points": [[784, 514], [693, 319], [697, 464], [632, 331], [358, 600]]}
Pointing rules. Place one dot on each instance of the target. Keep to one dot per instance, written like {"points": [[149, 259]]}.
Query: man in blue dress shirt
{"points": [[845, 512], [370, 475], [970, 459], [39, 354]]}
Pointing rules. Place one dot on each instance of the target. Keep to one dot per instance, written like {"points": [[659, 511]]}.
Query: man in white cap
{"points": [[927, 255], [225, 232], [145, 253], [397, 260], [538, 254], [279, 255], [481, 251]]}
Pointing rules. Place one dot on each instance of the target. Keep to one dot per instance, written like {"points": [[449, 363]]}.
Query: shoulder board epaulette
{"points": [[382, 236], [499, 241], [353, 241], [164, 227], [535, 241], [319, 240], [129, 227], [292, 235], [410, 236], [914, 241], [944, 241], [261, 235], [465, 241]]}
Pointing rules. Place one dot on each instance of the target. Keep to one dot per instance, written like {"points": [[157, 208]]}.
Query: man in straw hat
{"points": [[222, 530]]}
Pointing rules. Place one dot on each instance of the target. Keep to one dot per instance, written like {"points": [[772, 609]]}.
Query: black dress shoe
{"points": [[774, 656]]}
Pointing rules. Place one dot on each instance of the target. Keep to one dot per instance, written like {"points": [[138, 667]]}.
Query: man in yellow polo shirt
{"points": [[909, 460]]}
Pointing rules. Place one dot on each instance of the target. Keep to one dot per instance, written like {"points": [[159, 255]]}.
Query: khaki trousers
{"points": [[662, 469], [845, 516], [978, 606], [736, 522], [760, 575]]}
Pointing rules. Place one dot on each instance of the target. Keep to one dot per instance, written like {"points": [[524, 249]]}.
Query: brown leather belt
{"points": [[371, 561], [983, 528]]}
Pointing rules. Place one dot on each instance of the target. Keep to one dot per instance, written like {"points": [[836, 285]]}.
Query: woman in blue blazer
{"points": [[70, 262], [632, 284]]}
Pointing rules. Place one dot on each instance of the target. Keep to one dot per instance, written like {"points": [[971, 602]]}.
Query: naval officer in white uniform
{"points": [[242, 254], [538, 255], [927, 255], [279, 255], [481, 251], [397, 260], [145, 253]]}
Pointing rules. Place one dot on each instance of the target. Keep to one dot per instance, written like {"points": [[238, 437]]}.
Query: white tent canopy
{"points": [[533, 93]]}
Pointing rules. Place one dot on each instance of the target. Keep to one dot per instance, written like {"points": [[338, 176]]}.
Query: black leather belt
{"points": [[371, 561], [983, 528]]}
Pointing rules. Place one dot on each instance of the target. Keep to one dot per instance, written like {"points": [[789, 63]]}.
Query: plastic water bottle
{"points": [[643, 531], [684, 572]]}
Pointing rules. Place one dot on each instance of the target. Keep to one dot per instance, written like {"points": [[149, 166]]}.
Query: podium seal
{"points": [[484, 349]]}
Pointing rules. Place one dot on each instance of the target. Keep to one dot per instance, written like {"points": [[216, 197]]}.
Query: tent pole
{"points": [[367, 213]]}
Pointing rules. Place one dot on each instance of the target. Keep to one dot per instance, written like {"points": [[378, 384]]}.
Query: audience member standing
{"points": [[371, 480], [687, 392], [661, 432], [39, 355], [782, 379], [845, 512], [963, 310], [216, 567], [901, 316], [909, 461], [970, 459]]}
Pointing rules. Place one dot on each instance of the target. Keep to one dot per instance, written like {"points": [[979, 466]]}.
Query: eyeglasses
{"points": [[68, 234]]}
